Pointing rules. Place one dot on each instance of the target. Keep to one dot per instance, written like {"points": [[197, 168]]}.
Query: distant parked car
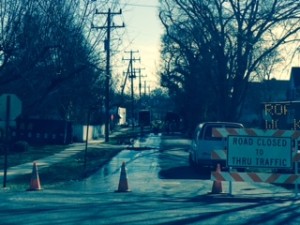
{"points": [[204, 143]]}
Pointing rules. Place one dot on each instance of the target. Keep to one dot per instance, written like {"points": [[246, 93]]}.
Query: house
{"points": [[294, 84], [268, 91]]}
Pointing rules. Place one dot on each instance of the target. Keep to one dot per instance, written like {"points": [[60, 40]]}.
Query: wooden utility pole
{"points": [[108, 28], [140, 76], [145, 88], [132, 76]]}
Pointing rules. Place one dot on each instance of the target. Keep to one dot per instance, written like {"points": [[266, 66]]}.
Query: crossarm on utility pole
{"points": [[108, 28]]}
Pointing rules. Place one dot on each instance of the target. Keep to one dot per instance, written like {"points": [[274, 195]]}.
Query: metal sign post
{"points": [[10, 109], [7, 118]]}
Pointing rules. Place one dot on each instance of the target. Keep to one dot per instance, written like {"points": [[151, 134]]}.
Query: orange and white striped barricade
{"points": [[257, 177]]}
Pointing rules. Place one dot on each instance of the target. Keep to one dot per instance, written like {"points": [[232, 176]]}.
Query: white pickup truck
{"points": [[204, 143]]}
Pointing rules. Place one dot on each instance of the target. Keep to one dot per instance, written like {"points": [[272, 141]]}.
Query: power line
{"points": [[143, 5], [130, 4]]}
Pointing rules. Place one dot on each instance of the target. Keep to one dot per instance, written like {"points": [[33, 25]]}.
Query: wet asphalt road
{"points": [[163, 190]]}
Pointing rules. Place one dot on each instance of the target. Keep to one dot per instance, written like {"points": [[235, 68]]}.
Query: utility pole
{"points": [[108, 28], [145, 88], [132, 76], [140, 76], [125, 80]]}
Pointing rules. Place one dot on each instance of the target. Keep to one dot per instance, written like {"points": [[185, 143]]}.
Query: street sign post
{"points": [[10, 109], [258, 151]]}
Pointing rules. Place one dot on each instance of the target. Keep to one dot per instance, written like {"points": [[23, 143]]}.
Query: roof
{"points": [[268, 90]]}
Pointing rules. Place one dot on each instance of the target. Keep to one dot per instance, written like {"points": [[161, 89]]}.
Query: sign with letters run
{"points": [[259, 151]]}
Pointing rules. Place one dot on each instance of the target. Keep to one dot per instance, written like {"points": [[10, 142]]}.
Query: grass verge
{"points": [[71, 168]]}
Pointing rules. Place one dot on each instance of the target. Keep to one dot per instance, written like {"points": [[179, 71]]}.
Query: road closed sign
{"points": [[261, 152]]}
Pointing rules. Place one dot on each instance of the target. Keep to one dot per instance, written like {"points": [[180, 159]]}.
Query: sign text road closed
{"points": [[265, 152]]}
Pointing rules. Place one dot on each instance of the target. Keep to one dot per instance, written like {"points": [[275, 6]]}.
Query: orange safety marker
{"points": [[217, 185], [35, 184], [123, 183]]}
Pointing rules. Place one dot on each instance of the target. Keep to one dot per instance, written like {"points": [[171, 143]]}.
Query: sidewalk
{"points": [[69, 151], [26, 168]]}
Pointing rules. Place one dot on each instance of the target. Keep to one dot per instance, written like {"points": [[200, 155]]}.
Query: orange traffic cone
{"points": [[35, 184], [123, 184], [217, 185]]}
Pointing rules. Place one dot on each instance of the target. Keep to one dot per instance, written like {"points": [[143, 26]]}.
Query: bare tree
{"points": [[49, 55], [229, 40], [10, 17]]}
